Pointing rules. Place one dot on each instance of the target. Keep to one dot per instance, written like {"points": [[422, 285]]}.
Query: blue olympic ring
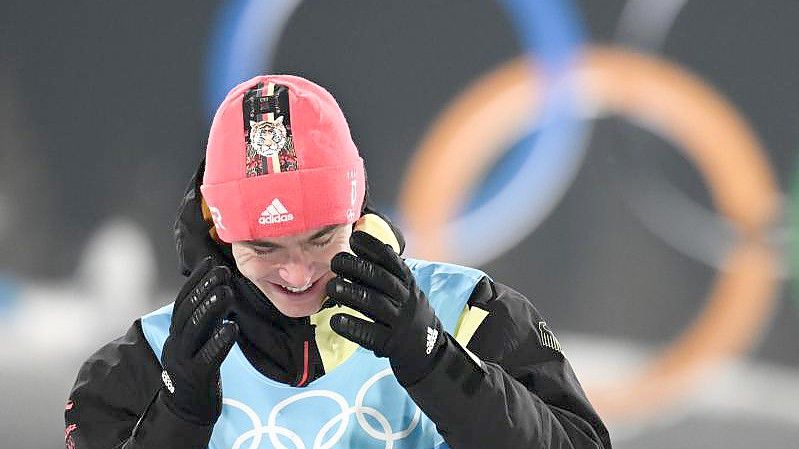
{"points": [[243, 42], [9, 294], [547, 159]]}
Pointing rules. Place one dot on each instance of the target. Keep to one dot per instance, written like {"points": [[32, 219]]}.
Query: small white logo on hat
{"points": [[275, 212], [216, 215], [353, 195]]}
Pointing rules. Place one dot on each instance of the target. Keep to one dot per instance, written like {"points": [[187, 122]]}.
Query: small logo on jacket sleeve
{"points": [[69, 442], [432, 336], [548, 338], [167, 381]]}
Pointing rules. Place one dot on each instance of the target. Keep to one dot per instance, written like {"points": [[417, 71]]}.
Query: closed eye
{"points": [[321, 243], [263, 251]]}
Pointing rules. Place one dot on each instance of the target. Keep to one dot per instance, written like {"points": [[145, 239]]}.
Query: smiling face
{"points": [[292, 271]]}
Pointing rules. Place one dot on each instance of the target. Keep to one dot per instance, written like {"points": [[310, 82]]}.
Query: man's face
{"points": [[292, 271]]}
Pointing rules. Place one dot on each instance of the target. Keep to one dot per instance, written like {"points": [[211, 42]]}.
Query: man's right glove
{"points": [[377, 282], [198, 342]]}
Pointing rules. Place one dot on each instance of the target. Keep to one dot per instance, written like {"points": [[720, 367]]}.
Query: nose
{"points": [[297, 270]]}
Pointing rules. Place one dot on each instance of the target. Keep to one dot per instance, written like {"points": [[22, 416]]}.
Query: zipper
{"points": [[304, 378]]}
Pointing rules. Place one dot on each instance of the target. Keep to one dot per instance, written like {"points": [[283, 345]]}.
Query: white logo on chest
{"points": [[340, 421]]}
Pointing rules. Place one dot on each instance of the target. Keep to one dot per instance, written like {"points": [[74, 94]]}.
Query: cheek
{"points": [[336, 247]]}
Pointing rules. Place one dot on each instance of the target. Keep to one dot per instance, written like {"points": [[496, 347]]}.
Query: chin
{"points": [[299, 313]]}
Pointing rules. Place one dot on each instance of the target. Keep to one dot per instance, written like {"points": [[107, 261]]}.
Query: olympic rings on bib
{"points": [[342, 420]]}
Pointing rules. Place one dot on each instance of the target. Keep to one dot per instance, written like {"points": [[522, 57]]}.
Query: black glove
{"points": [[378, 284], [198, 342]]}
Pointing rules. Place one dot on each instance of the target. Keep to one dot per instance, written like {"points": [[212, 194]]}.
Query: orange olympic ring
{"points": [[671, 102]]}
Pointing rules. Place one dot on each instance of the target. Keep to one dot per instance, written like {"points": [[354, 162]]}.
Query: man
{"points": [[301, 326]]}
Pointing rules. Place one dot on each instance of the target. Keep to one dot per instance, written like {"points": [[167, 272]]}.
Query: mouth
{"points": [[297, 291]]}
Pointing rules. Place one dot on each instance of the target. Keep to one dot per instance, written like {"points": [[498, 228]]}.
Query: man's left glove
{"points": [[377, 283]]}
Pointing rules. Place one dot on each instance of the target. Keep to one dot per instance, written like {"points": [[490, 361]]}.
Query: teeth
{"points": [[297, 289]]}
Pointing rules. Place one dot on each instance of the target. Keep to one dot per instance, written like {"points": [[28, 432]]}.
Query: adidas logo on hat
{"points": [[275, 212]]}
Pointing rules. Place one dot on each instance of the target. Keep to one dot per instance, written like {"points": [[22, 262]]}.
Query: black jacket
{"points": [[524, 394]]}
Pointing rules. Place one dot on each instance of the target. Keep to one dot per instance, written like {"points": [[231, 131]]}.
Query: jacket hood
{"points": [[194, 233]]}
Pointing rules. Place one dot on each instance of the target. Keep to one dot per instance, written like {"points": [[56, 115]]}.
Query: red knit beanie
{"points": [[280, 160]]}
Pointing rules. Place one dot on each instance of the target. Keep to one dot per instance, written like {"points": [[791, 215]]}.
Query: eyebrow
{"points": [[271, 245]]}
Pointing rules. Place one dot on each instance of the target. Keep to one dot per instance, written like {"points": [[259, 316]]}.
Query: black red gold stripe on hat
{"points": [[267, 126]]}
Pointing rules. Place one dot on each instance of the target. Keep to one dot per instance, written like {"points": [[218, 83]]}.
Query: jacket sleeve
{"points": [[513, 388], [116, 402]]}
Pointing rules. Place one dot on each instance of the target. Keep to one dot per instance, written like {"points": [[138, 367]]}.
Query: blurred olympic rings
{"points": [[247, 34], [670, 102], [674, 104]]}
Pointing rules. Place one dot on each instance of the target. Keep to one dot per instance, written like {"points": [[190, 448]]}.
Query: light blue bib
{"points": [[358, 405]]}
